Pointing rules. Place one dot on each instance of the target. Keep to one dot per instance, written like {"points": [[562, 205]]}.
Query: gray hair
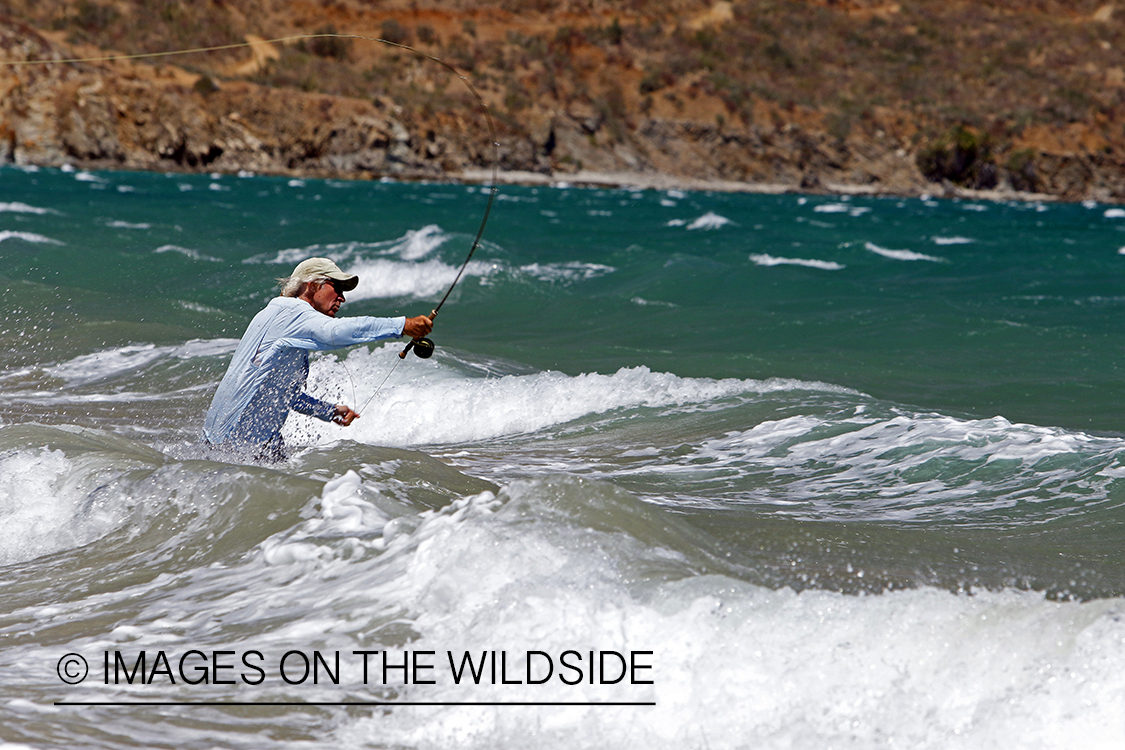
{"points": [[292, 286]]}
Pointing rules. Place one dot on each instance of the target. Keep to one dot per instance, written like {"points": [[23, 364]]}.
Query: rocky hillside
{"points": [[850, 95]]}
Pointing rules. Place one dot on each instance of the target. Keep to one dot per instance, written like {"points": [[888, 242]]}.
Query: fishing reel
{"points": [[421, 345], [423, 348]]}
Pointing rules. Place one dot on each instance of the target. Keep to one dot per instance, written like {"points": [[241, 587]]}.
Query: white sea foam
{"points": [[905, 467], [23, 208], [414, 245], [392, 268], [841, 208], [446, 407], [528, 575], [901, 254], [336, 252], [736, 665], [548, 566], [128, 225], [658, 303], [196, 307], [1115, 213], [28, 237], [417, 244], [342, 512], [187, 252], [728, 664], [709, 220], [44, 397], [89, 368], [39, 506], [952, 240], [383, 278], [770, 260], [566, 272]]}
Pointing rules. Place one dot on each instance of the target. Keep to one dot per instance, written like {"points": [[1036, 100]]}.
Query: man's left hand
{"points": [[344, 415]]}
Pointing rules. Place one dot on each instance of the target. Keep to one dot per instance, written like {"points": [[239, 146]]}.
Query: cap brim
{"points": [[347, 281]]}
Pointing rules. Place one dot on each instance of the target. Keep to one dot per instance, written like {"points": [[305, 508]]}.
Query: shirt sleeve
{"points": [[312, 330], [303, 403]]}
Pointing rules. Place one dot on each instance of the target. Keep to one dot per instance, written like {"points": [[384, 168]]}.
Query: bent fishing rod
{"points": [[421, 345]]}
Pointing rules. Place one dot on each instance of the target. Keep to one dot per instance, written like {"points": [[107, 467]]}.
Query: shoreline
{"points": [[663, 181], [659, 181]]}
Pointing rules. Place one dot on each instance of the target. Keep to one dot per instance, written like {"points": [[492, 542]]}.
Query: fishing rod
{"points": [[422, 346]]}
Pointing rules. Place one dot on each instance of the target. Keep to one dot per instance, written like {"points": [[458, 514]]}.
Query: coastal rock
{"points": [[121, 114]]}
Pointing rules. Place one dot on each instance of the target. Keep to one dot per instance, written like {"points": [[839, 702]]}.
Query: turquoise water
{"points": [[847, 471]]}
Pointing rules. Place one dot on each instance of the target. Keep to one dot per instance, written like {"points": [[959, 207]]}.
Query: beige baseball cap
{"points": [[315, 268]]}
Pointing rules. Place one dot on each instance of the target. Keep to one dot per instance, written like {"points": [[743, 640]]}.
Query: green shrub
{"points": [[963, 156], [395, 32], [655, 79], [330, 46], [426, 34], [90, 16], [460, 54], [205, 85], [1020, 166]]}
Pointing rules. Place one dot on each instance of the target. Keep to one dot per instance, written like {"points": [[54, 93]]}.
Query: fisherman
{"points": [[267, 374]]}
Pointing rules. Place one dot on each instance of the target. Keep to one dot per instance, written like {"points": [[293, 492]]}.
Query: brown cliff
{"points": [[809, 95]]}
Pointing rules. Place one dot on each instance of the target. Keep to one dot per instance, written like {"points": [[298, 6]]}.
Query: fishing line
{"points": [[422, 346]]}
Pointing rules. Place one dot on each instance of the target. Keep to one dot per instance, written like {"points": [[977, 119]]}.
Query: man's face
{"points": [[327, 299]]}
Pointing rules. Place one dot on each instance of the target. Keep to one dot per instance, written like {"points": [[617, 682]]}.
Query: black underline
{"points": [[355, 703]]}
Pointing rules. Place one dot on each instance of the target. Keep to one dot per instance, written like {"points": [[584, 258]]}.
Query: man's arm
{"points": [[312, 330], [341, 414], [303, 403]]}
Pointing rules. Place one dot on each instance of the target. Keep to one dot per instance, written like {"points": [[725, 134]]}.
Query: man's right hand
{"points": [[417, 327]]}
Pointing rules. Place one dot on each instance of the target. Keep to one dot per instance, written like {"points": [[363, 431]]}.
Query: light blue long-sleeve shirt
{"points": [[267, 374]]}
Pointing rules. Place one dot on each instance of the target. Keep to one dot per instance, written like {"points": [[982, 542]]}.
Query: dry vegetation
{"points": [[978, 94]]}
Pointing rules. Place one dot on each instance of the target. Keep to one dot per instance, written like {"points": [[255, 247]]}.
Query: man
{"points": [[267, 374]]}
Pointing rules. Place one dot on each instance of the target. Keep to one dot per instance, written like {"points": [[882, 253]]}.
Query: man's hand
{"points": [[418, 327], [344, 415]]}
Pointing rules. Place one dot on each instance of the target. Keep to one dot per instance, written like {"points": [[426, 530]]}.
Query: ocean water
{"points": [[687, 470]]}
